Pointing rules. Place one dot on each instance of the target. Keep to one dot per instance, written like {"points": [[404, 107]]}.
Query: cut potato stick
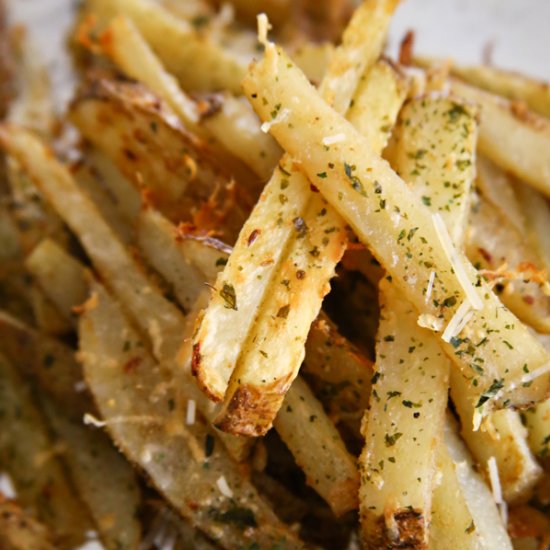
{"points": [[498, 187], [105, 482], [437, 157], [302, 424], [216, 498], [274, 348], [500, 251], [32, 464], [329, 468], [377, 101], [514, 86], [51, 363], [20, 531], [465, 514], [512, 136], [179, 45], [225, 326], [60, 275], [402, 427], [407, 240]]}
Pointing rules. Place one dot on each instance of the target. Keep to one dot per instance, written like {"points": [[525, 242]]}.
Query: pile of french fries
{"points": [[270, 295]]}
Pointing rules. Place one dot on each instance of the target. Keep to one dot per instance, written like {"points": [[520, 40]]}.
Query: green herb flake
{"points": [[229, 297], [391, 440]]}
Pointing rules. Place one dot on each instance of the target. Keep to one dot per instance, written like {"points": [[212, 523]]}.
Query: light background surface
{"points": [[519, 31]]}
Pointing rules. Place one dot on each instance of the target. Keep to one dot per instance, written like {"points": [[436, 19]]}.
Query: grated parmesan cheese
{"points": [[430, 287], [427, 320], [494, 479], [191, 412], [535, 374], [266, 126], [456, 262], [462, 315], [91, 420], [330, 140], [496, 488], [224, 488], [264, 27]]}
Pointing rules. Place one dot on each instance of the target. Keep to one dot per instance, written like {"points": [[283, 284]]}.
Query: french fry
{"points": [[338, 371], [514, 86], [32, 463], [498, 187], [20, 531], [313, 59], [402, 427], [274, 349], [60, 276], [329, 468], [216, 498], [353, 175], [524, 153], [260, 249], [158, 239], [184, 177], [537, 215], [437, 157], [465, 514], [178, 45], [497, 248], [104, 480], [51, 363], [302, 424], [502, 436]]}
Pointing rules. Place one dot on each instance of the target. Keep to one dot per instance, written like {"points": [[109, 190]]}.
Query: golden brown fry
{"points": [[184, 181]]}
